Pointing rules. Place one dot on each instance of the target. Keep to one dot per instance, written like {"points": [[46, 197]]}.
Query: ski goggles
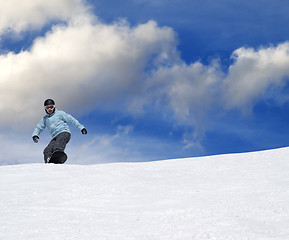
{"points": [[49, 107]]}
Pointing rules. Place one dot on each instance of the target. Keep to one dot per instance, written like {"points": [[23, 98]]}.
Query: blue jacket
{"points": [[56, 123]]}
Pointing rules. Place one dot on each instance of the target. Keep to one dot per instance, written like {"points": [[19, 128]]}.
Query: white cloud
{"points": [[16, 149], [188, 93], [253, 73], [194, 91], [80, 64], [189, 90], [117, 147], [18, 15], [197, 94]]}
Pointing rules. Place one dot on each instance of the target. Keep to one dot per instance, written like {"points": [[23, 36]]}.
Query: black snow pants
{"points": [[57, 144]]}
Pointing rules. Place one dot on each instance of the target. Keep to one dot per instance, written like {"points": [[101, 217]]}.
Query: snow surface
{"points": [[234, 196]]}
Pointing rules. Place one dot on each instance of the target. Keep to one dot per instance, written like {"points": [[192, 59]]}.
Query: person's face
{"points": [[49, 109]]}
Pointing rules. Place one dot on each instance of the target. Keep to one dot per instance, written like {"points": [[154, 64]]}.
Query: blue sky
{"points": [[150, 80]]}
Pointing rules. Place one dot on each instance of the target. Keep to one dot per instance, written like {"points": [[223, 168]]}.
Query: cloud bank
{"points": [[17, 16], [195, 91], [254, 72], [83, 64]]}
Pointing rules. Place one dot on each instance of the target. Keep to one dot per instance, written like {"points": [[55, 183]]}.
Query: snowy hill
{"points": [[235, 196]]}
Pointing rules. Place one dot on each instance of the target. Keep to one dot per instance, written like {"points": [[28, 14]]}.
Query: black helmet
{"points": [[49, 102]]}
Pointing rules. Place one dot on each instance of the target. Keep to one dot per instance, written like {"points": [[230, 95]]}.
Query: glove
{"points": [[35, 139], [84, 131]]}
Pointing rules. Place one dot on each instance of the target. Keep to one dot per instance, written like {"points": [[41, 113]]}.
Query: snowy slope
{"points": [[238, 196]]}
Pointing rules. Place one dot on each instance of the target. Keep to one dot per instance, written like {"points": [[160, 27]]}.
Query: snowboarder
{"points": [[56, 122]]}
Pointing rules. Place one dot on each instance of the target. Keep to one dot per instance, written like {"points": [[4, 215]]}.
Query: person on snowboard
{"points": [[56, 122]]}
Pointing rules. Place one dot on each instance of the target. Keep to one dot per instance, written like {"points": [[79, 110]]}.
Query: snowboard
{"points": [[58, 157]]}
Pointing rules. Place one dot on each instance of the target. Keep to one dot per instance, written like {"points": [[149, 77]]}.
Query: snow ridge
{"points": [[224, 197]]}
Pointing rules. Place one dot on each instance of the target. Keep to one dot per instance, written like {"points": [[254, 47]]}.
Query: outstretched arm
{"points": [[39, 128], [76, 123]]}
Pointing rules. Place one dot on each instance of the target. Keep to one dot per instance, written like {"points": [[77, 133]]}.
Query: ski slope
{"points": [[234, 196]]}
